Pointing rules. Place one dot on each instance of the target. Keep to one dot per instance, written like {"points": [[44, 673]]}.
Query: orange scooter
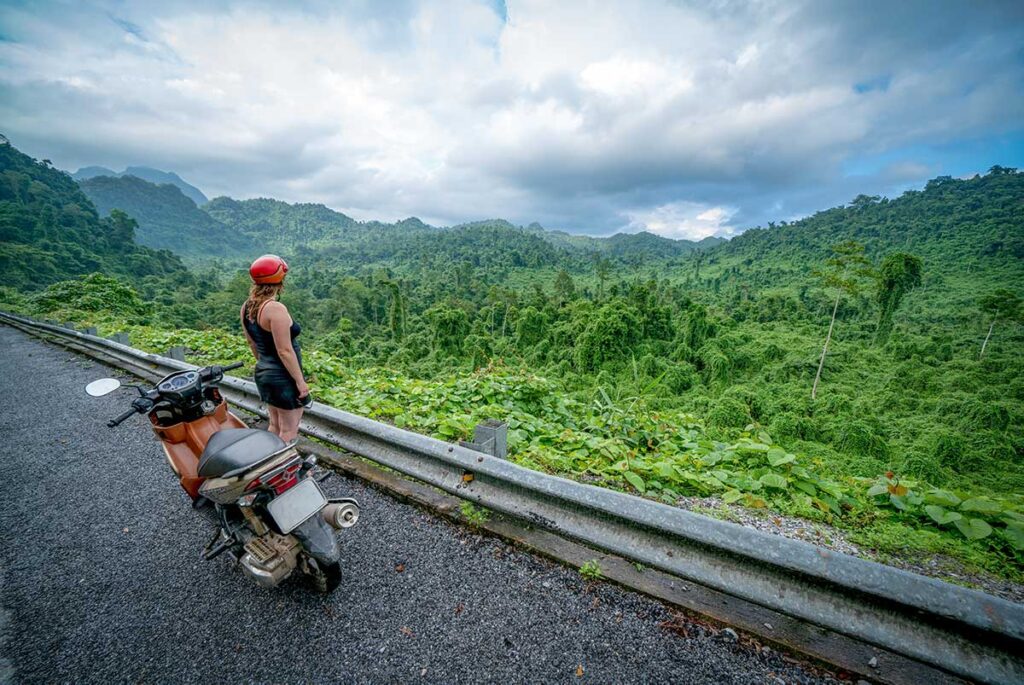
{"points": [[270, 512]]}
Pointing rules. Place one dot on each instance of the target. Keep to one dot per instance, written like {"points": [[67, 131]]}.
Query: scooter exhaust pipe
{"points": [[341, 515]]}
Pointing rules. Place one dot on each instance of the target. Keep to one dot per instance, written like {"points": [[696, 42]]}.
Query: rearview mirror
{"points": [[103, 386]]}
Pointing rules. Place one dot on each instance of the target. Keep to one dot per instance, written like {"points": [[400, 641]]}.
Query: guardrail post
{"points": [[121, 338], [177, 352], [68, 325], [91, 330], [490, 437]]}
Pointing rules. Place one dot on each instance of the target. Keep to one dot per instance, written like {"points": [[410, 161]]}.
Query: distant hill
{"points": [[167, 218], [278, 226], [91, 171], [147, 174], [50, 230], [329, 239], [635, 247], [956, 225]]}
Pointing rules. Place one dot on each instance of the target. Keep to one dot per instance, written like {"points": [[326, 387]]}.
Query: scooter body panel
{"points": [[184, 442]]}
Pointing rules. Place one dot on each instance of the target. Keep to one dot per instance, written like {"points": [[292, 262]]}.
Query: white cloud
{"points": [[687, 220], [584, 116]]}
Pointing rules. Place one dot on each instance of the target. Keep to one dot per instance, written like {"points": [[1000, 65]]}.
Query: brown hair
{"points": [[258, 295]]}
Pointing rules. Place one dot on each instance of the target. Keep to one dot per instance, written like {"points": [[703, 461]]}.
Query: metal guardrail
{"points": [[962, 631]]}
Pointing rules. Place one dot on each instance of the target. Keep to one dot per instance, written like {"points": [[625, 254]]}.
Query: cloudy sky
{"points": [[683, 118]]}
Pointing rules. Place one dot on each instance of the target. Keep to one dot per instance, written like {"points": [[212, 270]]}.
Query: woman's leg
{"points": [[289, 423], [275, 420]]}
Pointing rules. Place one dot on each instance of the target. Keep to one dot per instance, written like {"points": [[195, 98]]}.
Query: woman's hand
{"points": [[303, 388]]}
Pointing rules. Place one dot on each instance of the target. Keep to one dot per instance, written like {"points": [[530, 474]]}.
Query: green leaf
{"points": [[878, 489], [764, 437], [981, 505], [830, 503], [806, 487], [941, 516], [943, 498], [973, 529], [731, 496], [665, 470], [778, 456], [635, 480], [898, 501], [774, 480], [1015, 534]]}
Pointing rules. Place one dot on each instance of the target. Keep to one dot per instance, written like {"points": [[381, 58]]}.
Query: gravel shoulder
{"points": [[102, 579]]}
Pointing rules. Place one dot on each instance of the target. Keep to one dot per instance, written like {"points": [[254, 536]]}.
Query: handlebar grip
{"points": [[123, 417], [232, 367]]}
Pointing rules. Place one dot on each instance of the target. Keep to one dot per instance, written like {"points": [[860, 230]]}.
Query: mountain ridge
{"points": [[167, 218], [155, 176]]}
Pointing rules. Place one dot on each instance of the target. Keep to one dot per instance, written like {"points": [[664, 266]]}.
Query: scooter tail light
{"points": [[284, 480]]}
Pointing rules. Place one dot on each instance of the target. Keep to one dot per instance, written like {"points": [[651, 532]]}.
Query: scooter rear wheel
{"points": [[325, 577]]}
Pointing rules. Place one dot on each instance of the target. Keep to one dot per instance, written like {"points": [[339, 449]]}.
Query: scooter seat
{"points": [[233, 449]]}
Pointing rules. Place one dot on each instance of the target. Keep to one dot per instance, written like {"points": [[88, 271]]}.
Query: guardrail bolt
{"points": [[177, 353], [121, 338], [490, 437], [91, 330]]}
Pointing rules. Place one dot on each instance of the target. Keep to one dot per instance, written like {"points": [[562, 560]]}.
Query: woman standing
{"points": [[271, 334]]}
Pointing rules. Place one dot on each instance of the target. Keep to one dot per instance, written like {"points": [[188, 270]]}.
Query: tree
{"points": [[602, 269], [565, 289], [396, 311], [449, 328], [607, 335], [900, 273], [844, 272], [121, 234], [999, 305]]}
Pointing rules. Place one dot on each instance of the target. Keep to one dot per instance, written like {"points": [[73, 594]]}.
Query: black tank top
{"points": [[264, 341]]}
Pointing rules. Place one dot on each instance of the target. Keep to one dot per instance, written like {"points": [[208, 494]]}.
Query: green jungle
{"points": [[664, 368]]}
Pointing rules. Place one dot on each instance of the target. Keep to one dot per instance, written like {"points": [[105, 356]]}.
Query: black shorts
{"points": [[277, 388]]}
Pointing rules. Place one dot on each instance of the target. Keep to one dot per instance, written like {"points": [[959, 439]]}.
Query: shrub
{"points": [[607, 336], [680, 377], [728, 412]]}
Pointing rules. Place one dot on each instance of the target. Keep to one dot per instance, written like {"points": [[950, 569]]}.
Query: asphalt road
{"points": [[102, 579]]}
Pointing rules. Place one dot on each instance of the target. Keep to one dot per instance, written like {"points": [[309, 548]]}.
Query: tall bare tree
{"points": [[846, 273], [1000, 305]]}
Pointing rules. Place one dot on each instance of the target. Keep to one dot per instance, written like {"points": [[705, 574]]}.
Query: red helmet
{"points": [[268, 269]]}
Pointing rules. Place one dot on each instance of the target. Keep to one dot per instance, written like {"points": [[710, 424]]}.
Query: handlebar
{"points": [[146, 402], [123, 417], [140, 405], [211, 373]]}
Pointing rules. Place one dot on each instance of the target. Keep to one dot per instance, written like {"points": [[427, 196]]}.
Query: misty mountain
{"points": [[146, 174], [167, 218]]}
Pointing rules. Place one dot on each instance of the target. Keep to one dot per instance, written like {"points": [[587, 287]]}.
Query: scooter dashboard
{"points": [[178, 383]]}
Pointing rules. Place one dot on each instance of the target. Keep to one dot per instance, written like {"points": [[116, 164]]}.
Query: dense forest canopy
{"points": [[634, 361]]}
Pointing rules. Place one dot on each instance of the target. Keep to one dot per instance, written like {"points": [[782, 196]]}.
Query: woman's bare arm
{"points": [[280, 321], [248, 339]]}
